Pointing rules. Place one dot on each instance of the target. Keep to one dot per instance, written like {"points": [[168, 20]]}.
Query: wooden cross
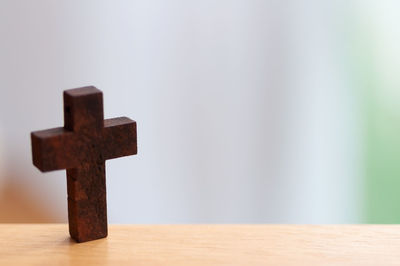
{"points": [[81, 147]]}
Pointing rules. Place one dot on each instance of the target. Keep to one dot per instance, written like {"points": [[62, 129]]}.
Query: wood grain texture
{"points": [[47, 244]]}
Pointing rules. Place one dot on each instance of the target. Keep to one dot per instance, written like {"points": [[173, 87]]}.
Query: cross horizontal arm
{"points": [[59, 148], [119, 137], [54, 149]]}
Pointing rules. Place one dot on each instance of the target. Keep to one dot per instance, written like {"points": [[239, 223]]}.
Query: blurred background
{"points": [[248, 111]]}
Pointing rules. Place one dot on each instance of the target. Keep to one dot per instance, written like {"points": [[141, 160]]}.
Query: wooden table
{"points": [[49, 244]]}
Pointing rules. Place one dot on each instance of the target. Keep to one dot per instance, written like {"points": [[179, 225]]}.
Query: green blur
{"points": [[382, 164], [381, 132]]}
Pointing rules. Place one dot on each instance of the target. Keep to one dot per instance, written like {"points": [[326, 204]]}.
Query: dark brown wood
{"points": [[81, 147]]}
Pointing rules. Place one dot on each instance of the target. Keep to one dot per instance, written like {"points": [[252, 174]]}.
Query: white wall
{"points": [[242, 106]]}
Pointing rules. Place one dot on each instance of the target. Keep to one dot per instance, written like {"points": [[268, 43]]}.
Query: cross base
{"points": [[87, 207]]}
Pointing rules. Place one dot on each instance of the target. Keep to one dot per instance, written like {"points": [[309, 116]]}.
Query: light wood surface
{"points": [[49, 244]]}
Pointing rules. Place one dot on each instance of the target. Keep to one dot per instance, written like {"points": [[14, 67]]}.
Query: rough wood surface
{"points": [[47, 244], [81, 147]]}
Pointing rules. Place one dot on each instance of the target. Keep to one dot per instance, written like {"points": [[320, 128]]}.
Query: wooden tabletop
{"points": [[49, 244]]}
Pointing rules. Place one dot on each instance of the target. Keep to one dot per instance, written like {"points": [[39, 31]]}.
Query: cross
{"points": [[81, 147]]}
